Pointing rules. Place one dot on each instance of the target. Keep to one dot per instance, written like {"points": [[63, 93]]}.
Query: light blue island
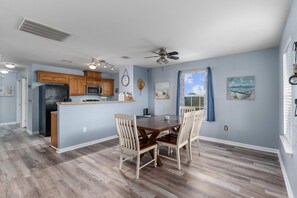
{"points": [[81, 124]]}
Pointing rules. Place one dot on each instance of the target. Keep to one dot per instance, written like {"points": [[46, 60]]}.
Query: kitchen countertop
{"points": [[93, 102]]}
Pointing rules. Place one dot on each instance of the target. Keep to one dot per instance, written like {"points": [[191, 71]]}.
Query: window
{"points": [[195, 89], [287, 99]]}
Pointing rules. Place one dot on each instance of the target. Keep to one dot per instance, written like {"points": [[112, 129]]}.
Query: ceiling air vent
{"points": [[42, 30]]}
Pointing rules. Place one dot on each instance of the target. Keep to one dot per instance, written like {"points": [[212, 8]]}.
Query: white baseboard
{"points": [[7, 123], [287, 182], [32, 132], [260, 148], [249, 146], [62, 150]]}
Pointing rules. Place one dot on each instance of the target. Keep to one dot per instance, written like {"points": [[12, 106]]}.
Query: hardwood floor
{"points": [[29, 167]]}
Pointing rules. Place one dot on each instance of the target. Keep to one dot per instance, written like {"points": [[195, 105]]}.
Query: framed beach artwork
{"points": [[241, 88], [162, 90]]}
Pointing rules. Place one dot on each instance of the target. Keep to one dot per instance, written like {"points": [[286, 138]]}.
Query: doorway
{"points": [[23, 102]]}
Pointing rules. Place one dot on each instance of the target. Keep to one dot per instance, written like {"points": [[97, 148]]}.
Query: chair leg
{"points": [[121, 159], [155, 156], [189, 148], [198, 146], [178, 158], [137, 166]]}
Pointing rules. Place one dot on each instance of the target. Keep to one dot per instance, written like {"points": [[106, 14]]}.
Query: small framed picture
{"points": [[162, 90]]}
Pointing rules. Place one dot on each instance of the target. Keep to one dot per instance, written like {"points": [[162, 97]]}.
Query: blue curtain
{"points": [[210, 98], [178, 92]]}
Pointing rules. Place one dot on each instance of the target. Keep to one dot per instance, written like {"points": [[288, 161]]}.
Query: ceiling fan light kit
{"points": [[164, 55]]}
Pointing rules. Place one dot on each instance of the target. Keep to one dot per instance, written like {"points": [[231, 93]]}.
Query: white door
{"points": [[19, 101], [24, 102]]}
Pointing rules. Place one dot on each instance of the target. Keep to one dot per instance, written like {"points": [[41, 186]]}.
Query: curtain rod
{"points": [[194, 70]]}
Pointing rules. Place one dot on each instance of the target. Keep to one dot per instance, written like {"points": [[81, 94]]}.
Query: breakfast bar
{"points": [[81, 124]]}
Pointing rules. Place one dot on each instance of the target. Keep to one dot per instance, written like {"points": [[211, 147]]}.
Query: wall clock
{"points": [[125, 79], [293, 79]]}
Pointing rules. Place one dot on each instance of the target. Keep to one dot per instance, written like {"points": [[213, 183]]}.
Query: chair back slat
{"points": [[186, 127], [127, 131], [198, 118], [185, 109]]}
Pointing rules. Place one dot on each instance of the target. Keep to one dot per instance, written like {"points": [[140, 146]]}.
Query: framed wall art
{"points": [[241, 88], [162, 90]]}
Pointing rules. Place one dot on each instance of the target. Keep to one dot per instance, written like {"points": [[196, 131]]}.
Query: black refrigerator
{"points": [[49, 95]]}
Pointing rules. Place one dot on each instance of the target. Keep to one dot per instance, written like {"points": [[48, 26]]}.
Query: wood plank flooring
{"points": [[29, 167]]}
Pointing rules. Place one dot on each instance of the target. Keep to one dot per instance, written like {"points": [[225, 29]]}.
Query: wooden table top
{"points": [[158, 123]]}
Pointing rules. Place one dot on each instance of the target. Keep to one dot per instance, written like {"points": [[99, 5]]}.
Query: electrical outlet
{"points": [[226, 128], [84, 129]]}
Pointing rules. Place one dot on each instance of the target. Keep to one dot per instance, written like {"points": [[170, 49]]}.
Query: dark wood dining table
{"points": [[154, 126]]}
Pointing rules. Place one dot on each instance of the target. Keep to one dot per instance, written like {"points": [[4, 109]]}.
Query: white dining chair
{"points": [[185, 109], [129, 143], [180, 139], [198, 118]]}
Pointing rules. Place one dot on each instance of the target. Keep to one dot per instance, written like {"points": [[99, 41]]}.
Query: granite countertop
{"points": [[93, 102]]}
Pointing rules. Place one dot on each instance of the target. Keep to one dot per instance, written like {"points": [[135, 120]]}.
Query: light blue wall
{"points": [[97, 118], [290, 163], [8, 103], [250, 122], [140, 96]]}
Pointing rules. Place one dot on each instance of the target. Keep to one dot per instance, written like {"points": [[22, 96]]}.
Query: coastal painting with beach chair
{"points": [[241, 88]]}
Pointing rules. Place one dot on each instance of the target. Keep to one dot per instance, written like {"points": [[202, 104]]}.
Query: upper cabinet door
{"points": [[51, 77], [77, 85], [107, 87]]}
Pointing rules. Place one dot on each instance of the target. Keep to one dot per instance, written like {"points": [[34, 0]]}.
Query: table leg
{"points": [[147, 139], [153, 138]]}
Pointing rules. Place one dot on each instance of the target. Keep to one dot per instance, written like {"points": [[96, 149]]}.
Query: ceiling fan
{"points": [[164, 55]]}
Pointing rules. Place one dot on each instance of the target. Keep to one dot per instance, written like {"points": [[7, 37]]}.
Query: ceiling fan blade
{"points": [[173, 53], [151, 56], [173, 57]]}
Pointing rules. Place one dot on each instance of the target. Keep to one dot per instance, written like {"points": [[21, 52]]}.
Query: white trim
{"points": [[259, 148], [32, 132], [287, 182], [62, 150], [7, 123], [287, 147]]}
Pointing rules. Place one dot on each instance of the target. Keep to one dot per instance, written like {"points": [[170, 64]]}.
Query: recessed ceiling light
{"points": [[10, 65]]}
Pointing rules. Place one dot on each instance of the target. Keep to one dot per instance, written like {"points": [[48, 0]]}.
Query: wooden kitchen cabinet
{"points": [[93, 81], [77, 85], [107, 86], [92, 74], [51, 77], [54, 129]]}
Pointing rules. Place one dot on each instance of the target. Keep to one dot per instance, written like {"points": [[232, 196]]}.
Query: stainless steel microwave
{"points": [[93, 90]]}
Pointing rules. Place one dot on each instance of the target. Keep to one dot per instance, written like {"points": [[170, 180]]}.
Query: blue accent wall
{"points": [[290, 163], [250, 122]]}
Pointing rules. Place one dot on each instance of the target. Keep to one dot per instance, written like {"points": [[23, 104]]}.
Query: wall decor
{"points": [[6, 89], [241, 88], [162, 90], [140, 85]]}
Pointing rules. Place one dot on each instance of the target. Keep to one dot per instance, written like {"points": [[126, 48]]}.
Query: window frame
{"points": [[200, 96], [287, 93]]}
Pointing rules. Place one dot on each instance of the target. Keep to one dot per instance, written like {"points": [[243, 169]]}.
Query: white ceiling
{"points": [[110, 29]]}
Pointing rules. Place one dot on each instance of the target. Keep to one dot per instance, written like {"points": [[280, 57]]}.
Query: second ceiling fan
{"points": [[164, 55]]}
